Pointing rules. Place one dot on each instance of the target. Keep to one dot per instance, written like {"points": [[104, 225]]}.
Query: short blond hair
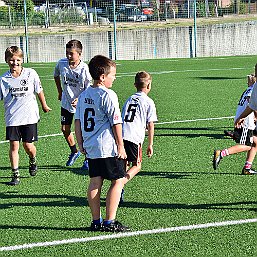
{"points": [[142, 79], [11, 51]]}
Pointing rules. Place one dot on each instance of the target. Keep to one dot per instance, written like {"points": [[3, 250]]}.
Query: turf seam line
{"points": [[128, 234]]}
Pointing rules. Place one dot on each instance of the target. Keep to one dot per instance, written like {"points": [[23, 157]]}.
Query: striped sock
{"points": [[224, 153], [248, 165]]}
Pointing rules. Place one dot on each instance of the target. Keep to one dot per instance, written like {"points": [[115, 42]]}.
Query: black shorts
{"points": [[28, 133], [243, 136], [66, 117], [110, 168], [133, 151]]}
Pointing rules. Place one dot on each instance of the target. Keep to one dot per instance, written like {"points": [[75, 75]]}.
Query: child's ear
{"points": [[102, 77]]}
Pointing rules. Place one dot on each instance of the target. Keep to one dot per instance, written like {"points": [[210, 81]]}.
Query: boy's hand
{"points": [[74, 102], [239, 122], [149, 151], [121, 152], [46, 108]]}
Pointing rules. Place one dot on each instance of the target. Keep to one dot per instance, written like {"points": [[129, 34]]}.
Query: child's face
{"points": [[72, 54], [108, 79], [15, 62]]}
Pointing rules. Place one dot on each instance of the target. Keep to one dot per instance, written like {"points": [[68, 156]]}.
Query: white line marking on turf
{"points": [[127, 234], [181, 121], [157, 123]]}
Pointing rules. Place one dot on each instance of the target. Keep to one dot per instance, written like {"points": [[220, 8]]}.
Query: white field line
{"points": [[132, 74], [127, 234], [157, 123]]}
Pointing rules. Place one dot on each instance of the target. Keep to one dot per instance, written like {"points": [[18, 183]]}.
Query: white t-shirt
{"points": [[73, 81], [98, 110], [137, 112], [19, 95], [242, 104]]}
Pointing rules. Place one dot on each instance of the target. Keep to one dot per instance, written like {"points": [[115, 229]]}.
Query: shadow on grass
{"points": [[217, 135], [209, 206], [46, 200]]}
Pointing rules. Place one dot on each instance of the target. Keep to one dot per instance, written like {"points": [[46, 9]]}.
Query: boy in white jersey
{"points": [[138, 114], [18, 89], [71, 77], [243, 135], [98, 128]]}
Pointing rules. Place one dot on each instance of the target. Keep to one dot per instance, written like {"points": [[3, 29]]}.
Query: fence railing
{"points": [[70, 12]]}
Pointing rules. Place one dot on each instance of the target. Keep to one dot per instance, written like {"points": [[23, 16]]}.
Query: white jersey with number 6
{"points": [[138, 110], [98, 110], [19, 95]]}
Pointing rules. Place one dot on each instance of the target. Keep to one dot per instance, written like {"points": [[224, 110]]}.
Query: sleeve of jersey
{"points": [[152, 116], [253, 99], [112, 108], [37, 83], [56, 70], [88, 79]]}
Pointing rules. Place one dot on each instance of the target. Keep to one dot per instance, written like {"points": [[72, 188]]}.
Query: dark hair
{"points": [[11, 51], [99, 65], [142, 79], [75, 44]]}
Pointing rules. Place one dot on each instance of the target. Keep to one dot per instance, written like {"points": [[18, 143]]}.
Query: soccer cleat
{"points": [[85, 165], [216, 159], [32, 167], [72, 158], [15, 180], [115, 226], [96, 227], [229, 133], [248, 172], [122, 196]]}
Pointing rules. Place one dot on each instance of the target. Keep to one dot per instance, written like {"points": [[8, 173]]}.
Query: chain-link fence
{"points": [[48, 13]]}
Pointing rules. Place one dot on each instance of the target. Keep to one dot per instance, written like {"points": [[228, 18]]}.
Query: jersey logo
{"points": [[23, 82]]}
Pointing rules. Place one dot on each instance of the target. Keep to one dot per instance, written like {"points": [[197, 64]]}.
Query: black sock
{"points": [[73, 149]]}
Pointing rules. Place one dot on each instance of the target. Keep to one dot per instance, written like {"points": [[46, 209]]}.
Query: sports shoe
{"points": [[32, 167], [122, 196], [115, 226], [229, 133], [72, 158], [15, 180], [96, 227], [216, 159], [248, 172], [85, 165]]}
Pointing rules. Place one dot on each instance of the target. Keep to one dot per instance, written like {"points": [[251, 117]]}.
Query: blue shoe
{"points": [[85, 165], [72, 158]]}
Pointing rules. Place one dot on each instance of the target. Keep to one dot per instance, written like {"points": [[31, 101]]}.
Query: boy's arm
{"points": [[41, 97], [117, 131], [59, 87], [149, 150], [242, 117], [78, 134]]}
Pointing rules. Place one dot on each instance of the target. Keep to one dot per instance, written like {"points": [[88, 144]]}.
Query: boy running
{"points": [[138, 114]]}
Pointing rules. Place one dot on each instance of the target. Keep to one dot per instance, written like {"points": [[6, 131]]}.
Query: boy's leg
{"points": [[31, 150], [247, 169], [93, 196], [136, 167], [66, 130], [220, 154], [113, 198], [14, 160]]}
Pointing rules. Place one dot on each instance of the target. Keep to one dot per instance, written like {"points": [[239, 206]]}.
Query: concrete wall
{"points": [[212, 40]]}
